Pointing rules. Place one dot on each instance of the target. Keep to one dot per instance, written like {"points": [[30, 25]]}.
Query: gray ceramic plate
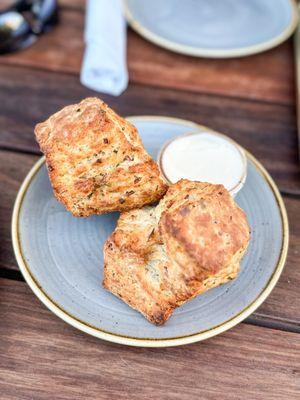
{"points": [[60, 257], [213, 28]]}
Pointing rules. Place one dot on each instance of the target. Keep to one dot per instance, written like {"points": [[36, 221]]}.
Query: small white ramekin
{"points": [[237, 187]]}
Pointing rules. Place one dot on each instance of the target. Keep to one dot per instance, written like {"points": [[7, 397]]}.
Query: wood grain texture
{"points": [[267, 76], [44, 358], [5, 4], [281, 308], [261, 77], [267, 130], [78, 4], [13, 168]]}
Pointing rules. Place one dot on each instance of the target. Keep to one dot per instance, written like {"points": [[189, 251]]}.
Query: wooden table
{"points": [[252, 101]]}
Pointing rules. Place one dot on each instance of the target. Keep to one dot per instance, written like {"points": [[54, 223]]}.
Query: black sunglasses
{"points": [[22, 23]]}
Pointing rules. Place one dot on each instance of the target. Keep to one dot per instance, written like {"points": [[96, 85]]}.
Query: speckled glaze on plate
{"points": [[61, 258], [213, 28]]}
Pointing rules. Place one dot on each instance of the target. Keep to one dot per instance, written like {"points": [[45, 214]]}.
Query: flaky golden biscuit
{"points": [[160, 257], [202, 224], [96, 160]]}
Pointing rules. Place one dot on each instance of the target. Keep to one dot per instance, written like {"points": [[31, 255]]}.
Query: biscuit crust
{"points": [[96, 160], [160, 257], [203, 221]]}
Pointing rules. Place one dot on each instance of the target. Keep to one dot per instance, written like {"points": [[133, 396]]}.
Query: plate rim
{"points": [[36, 287], [211, 53]]}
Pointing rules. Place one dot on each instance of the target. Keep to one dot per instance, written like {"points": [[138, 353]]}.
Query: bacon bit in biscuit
{"points": [[128, 158]]}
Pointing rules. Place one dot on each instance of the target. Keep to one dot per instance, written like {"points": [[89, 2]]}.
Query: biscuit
{"points": [[201, 224], [96, 160], [160, 257]]}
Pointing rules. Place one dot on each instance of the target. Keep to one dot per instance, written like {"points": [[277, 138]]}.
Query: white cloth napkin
{"points": [[104, 65]]}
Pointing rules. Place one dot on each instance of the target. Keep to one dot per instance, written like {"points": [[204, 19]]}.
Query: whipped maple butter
{"points": [[205, 157]]}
